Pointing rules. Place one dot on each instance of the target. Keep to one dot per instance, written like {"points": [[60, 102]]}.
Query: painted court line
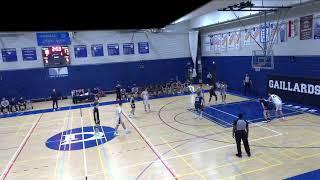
{"points": [[84, 149], [248, 120], [173, 157], [150, 145], [17, 153], [58, 154], [103, 164], [64, 149]]}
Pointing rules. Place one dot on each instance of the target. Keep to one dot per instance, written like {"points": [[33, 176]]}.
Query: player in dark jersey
{"points": [[133, 105], [118, 92], [267, 107], [198, 104], [96, 114], [212, 92]]}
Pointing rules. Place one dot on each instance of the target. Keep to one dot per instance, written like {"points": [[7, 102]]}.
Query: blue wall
{"points": [[35, 83], [233, 68]]}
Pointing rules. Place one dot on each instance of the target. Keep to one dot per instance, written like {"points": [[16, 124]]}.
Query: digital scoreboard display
{"points": [[56, 56]]}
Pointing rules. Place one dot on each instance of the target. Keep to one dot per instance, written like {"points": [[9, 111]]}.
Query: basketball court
{"points": [[91, 57], [167, 143]]}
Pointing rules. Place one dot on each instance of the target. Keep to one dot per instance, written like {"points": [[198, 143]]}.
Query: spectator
{"points": [[5, 105], [13, 103], [22, 104]]}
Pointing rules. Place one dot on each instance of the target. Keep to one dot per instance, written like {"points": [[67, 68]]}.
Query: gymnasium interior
{"points": [[143, 66]]}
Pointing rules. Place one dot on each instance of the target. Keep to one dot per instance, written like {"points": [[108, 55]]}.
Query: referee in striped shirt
{"points": [[241, 132]]}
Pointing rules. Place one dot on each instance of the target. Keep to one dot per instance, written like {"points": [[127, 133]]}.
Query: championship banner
{"points": [[231, 40], [224, 42], [283, 32], [29, 54], [274, 32], [247, 37], [306, 27], [113, 49], [9, 54], [255, 34], [297, 89], [293, 28], [317, 27], [237, 41], [207, 43], [217, 43], [264, 33], [80, 51]]}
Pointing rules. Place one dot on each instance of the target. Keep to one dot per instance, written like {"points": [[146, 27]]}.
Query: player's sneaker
{"points": [[115, 133]]}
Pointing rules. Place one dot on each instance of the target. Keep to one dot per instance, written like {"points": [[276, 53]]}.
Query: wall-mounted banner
{"points": [[283, 32], [224, 42], [237, 39], [231, 39], [297, 89], [80, 51], [306, 27], [29, 54], [143, 47], [113, 49], [247, 37], [255, 32], [211, 42], [97, 50], [217, 43], [264, 33], [9, 54], [53, 39], [274, 32], [293, 28], [128, 48], [317, 27]]}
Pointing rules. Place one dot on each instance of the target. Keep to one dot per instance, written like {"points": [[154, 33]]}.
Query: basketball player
{"points": [[198, 104], [276, 100], [223, 91], [266, 109], [119, 120], [118, 92], [133, 105], [145, 97], [96, 114], [200, 89], [212, 92]]}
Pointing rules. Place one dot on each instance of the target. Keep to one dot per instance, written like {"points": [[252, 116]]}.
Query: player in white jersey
{"points": [[145, 97], [223, 91], [119, 120], [276, 100]]}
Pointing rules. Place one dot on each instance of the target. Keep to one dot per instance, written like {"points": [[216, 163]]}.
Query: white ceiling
{"points": [[214, 5]]}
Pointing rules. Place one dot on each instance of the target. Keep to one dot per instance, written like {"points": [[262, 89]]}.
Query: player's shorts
{"points": [[97, 122], [119, 96], [223, 93], [198, 107], [133, 106], [119, 121], [146, 101], [278, 106]]}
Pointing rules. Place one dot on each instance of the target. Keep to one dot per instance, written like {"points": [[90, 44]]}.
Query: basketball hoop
{"points": [[256, 68]]}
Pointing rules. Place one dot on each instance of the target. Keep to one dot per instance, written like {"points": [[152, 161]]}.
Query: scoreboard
{"points": [[56, 56]]}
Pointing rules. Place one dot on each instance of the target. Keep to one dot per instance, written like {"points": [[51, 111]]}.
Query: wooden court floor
{"points": [[166, 143]]}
